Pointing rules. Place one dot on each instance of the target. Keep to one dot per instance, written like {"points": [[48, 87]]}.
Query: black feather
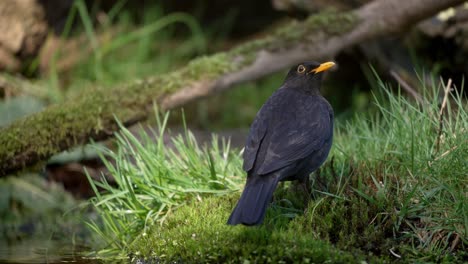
{"points": [[290, 137], [251, 208]]}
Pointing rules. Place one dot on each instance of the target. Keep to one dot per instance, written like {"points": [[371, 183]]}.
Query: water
{"points": [[42, 223], [40, 250]]}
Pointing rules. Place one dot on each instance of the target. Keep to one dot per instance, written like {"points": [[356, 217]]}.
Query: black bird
{"points": [[290, 138]]}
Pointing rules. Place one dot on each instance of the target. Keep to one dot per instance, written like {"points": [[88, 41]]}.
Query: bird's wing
{"points": [[302, 125], [257, 133]]}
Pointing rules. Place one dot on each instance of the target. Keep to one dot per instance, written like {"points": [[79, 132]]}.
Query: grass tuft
{"points": [[154, 179]]}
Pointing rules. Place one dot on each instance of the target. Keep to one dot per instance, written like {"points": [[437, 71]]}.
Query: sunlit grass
{"points": [[397, 165], [154, 179]]}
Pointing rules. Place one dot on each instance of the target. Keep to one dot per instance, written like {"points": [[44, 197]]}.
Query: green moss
{"points": [[202, 68], [198, 233], [47, 132], [93, 112], [294, 32], [331, 22]]}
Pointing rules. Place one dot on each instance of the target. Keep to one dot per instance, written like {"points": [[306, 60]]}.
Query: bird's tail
{"points": [[251, 208]]}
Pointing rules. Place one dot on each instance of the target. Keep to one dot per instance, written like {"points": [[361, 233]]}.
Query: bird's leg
{"points": [[301, 187], [304, 183]]}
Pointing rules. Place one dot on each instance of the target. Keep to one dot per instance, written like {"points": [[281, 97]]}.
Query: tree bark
{"points": [[92, 115]]}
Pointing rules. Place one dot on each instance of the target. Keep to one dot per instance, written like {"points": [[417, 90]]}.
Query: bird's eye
{"points": [[301, 69]]}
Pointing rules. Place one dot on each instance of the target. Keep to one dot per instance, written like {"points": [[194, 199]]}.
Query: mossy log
{"points": [[92, 115]]}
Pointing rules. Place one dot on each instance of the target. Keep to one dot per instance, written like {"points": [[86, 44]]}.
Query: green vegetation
{"points": [[198, 232], [100, 87], [128, 51], [154, 180], [123, 49], [392, 189]]}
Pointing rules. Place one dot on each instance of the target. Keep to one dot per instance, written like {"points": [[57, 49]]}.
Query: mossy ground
{"points": [[198, 233], [326, 229], [298, 229]]}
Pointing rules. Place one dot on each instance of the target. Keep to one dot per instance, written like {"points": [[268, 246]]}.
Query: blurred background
{"points": [[52, 51]]}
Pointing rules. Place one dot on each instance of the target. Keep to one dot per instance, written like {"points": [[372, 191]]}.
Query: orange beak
{"points": [[323, 67]]}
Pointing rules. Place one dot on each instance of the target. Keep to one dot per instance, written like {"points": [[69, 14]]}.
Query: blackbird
{"points": [[290, 138]]}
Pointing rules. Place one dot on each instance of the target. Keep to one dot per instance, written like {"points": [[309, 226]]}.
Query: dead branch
{"points": [[441, 114], [406, 86]]}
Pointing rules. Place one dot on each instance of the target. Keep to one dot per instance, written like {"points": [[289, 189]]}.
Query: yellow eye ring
{"points": [[301, 69]]}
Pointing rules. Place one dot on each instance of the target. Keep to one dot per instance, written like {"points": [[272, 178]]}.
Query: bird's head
{"points": [[307, 75]]}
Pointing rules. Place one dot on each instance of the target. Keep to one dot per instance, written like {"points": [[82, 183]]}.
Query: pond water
{"points": [[43, 250], [40, 222]]}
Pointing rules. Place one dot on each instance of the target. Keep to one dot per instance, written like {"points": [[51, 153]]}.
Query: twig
{"points": [[455, 242], [394, 254], [442, 108], [406, 86], [448, 152]]}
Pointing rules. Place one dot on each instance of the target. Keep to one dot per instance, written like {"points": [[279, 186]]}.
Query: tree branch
{"points": [[92, 115]]}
